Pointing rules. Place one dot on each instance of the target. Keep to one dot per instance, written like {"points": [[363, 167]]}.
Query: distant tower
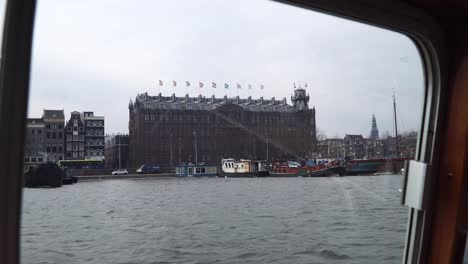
{"points": [[130, 104], [374, 134], [300, 99]]}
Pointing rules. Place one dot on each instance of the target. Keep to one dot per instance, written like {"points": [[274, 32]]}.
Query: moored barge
{"points": [[288, 169], [326, 169], [200, 170]]}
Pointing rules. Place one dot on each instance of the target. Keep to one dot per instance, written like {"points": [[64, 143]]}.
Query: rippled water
{"points": [[247, 220]]}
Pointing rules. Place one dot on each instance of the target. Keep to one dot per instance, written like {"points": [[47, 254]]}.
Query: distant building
{"points": [[355, 146], [116, 149], [374, 134], [406, 145], [74, 139], [34, 148], [48, 139], [94, 135], [54, 121], [331, 148], [173, 130]]}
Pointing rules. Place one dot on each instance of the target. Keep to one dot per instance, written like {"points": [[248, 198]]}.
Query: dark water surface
{"points": [[216, 220]]}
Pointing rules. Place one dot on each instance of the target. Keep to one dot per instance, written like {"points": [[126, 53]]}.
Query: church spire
{"points": [[374, 134]]}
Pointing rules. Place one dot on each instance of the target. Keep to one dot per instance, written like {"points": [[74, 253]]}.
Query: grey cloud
{"points": [[115, 49]]}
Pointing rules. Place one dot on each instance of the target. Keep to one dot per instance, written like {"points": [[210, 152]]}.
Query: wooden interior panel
{"points": [[448, 234]]}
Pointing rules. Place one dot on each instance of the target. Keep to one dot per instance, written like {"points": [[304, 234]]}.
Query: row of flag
{"points": [[213, 85], [226, 86]]}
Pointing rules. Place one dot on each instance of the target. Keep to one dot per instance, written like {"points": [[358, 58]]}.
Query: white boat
{"points": [[244, 168]]}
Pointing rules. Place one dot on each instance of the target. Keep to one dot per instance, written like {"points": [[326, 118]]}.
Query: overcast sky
{"points": [[93, 55]]}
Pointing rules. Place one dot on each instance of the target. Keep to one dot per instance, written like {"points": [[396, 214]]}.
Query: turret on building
{"points": [[300, 100]]}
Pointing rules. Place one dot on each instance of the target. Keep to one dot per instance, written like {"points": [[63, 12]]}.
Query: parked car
{"points": [[148, 168], [120, 172]]}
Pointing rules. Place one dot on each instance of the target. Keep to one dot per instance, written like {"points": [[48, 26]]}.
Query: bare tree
{"points": [[410, 133], [385, 135], [320, 135]]}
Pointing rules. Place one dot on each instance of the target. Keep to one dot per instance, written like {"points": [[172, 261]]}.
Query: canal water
{"points": [[215, 220]]}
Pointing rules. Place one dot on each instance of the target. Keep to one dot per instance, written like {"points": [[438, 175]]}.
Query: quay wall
{"points": [[126, 176], [86, 172]]}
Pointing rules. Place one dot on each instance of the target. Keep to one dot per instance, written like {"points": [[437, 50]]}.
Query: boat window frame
{"points": [[428, 38], [14, 88]]}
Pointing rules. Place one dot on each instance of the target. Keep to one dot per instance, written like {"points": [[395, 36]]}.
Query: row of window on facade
{"points": [[48, 134], [77, 153], [75, 137], [70, 129], [95, 123], [54, 135], [96, 132], [54, 149], [94, 142], [71, 147], [54, 126], [233, 131], [95, 153], [33, 159], [90, 132], [188, 117]]}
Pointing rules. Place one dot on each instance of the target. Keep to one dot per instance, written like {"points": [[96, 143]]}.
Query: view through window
{"points": [[216, 131]]}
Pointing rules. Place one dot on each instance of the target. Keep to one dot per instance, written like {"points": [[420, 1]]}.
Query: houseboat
{"points": [[243, 168], [288, 169], [192, 170]]}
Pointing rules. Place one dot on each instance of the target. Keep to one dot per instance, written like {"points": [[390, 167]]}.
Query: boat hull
{"points": [[289, 173], [245, 174], [276, 174], [372, 166], [327, 172]]}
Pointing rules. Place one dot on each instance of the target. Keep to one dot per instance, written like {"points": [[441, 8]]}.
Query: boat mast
{"points": [[396, 126], [196, 154], [170, 147], [180, 159], [120, 162], [267, 147]]}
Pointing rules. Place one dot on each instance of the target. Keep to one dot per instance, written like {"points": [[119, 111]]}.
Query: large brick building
{"points": [[171, 130]]}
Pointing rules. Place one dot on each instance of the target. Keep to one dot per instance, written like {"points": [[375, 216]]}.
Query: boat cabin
{"points": [[196, 170], [243, 166], [286, 166]]}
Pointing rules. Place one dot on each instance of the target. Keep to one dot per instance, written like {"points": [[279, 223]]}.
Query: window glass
{"points": [[315, 98]]}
